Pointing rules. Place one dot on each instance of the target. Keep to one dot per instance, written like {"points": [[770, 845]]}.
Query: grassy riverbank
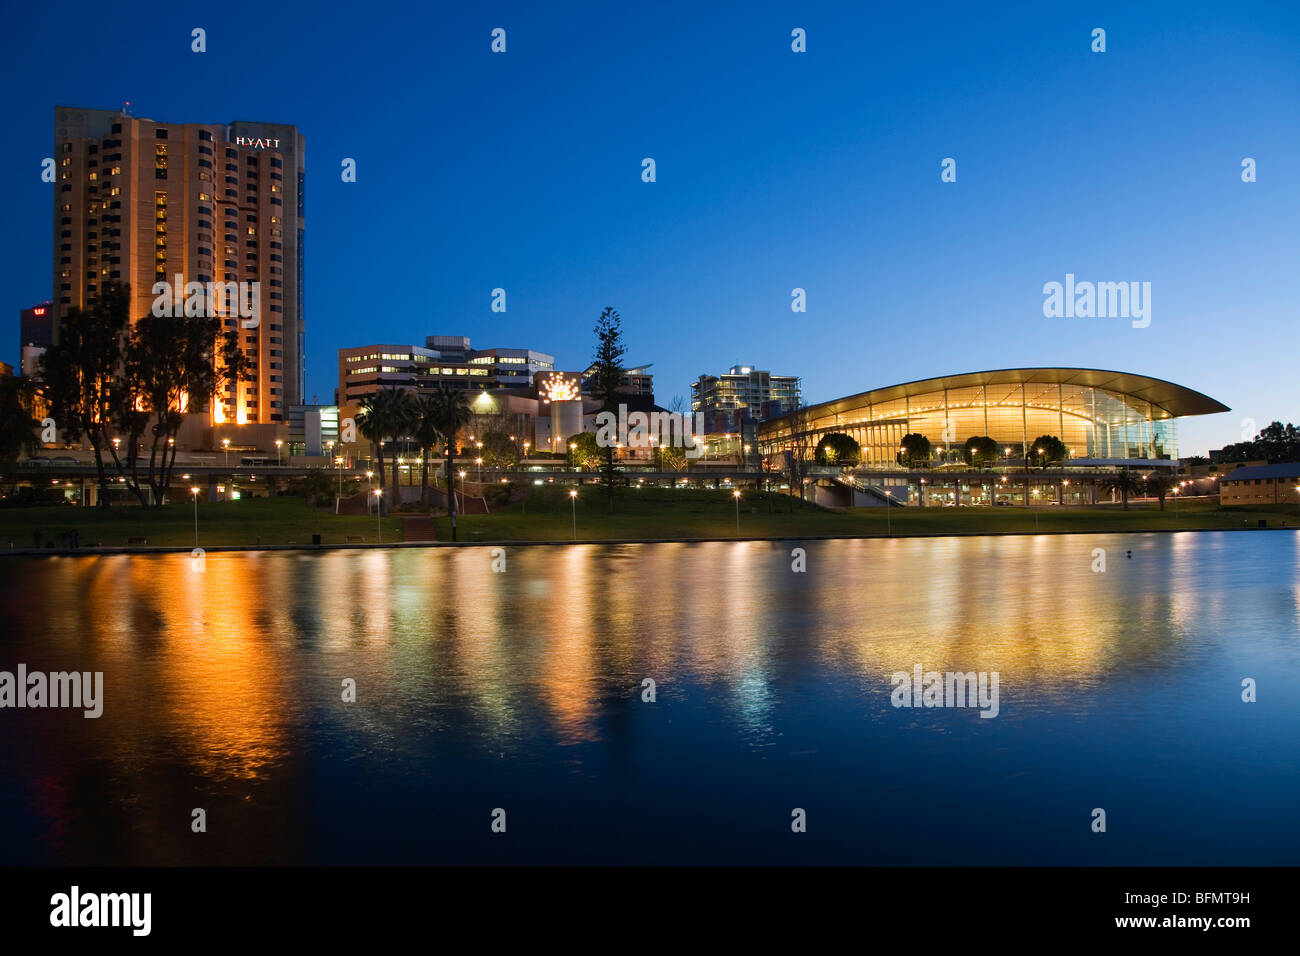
{"points": [[652, 513], [639, 514], [250, 522]]}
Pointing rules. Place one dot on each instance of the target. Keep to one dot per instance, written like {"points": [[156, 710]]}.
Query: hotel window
{"points": [[205, 136], [67, 160], [160, 133]]}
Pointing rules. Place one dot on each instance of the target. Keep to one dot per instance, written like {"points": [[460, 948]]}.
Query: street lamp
{"points": [[338, 466], [736, 496], [225, 447], [194, 492], [462, 491], [573, 446], [573, 499], [279, 444], [479, 462], [379, 514], [370, 485]]}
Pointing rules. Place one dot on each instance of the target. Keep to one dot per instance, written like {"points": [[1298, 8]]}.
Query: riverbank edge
{"points": [[219, 548]]}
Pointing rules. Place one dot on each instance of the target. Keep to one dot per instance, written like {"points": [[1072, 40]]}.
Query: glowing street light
{"points": [[379, 514], [479, 461], [736, 496], [573, 499], [194, 492], [225, 447], [279, 444]]}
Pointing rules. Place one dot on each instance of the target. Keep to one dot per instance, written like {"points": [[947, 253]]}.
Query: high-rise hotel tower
{"points": [[141, 202]]}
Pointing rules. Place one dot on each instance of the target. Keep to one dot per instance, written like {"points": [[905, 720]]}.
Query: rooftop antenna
{"points": [[126, 107]]}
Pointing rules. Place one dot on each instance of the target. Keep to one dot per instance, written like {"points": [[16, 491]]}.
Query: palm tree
{"points": [[378, 420], [1125, 482], [426, 435], [450, 415], [401, 422]]}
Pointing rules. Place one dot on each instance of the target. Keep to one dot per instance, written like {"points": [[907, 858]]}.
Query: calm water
{"points": [[522, 690]]}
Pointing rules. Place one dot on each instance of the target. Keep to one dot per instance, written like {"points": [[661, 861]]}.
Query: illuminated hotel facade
{"points": [[139, 201], [1099, 415]]}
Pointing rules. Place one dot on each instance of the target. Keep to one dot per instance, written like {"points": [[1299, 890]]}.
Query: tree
{"points": [[980, 451], [451, 415], [171, 366], [17, 435], [402, 419], [1047, 449], [80, 373], [375, 420], [1124, 483], [915, 450], [1275, 443], [607, 376], [499, 449], [588, 454], [425, 432], [1158, 485], [837, 448]]}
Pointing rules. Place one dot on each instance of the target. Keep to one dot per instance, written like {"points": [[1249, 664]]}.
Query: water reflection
{"points": [[224, 686]]}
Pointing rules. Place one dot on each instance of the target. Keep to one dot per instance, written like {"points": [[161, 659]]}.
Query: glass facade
{"points": [[1092, 421]]}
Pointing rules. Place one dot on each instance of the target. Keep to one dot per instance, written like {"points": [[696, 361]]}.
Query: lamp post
{"points": [[338, 466], [736, 496], [225, 447], [479, 462], [370, 486], [194, 493], [379, 515], [573, 499], [573, 446], [462, 490], [279, 444]]}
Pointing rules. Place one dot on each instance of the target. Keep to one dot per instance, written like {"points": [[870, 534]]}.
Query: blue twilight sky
{"points": [[775, 170]]}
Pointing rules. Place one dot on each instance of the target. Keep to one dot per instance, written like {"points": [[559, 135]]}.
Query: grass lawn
{"points": [[651, 513], [645, 514], [250, 521]]}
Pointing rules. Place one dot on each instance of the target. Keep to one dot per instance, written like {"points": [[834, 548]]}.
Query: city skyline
{"points": [[775, 170]]}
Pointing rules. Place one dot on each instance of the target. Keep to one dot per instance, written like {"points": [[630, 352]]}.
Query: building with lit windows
{"points": [[141, 201], [1261, 485], [742, 394], [444, 360], [1101, 416]]}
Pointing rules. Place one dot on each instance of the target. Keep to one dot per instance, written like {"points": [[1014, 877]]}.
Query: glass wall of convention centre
{"points": [[1092, 422]]}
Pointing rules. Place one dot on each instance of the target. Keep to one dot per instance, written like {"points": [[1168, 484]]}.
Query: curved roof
{"points": [[1175, 400]]}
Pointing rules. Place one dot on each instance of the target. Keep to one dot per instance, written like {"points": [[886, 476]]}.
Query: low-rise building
{"points": [[1261, 485]]}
